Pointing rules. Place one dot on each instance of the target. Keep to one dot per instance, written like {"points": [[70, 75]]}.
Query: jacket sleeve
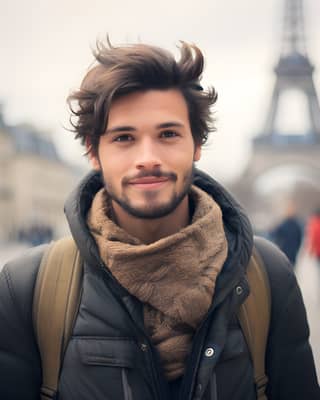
{"points": [[289, 360], [20, 368]]}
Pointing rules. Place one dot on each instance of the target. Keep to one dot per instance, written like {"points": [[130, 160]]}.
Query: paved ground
{"points": [[308, 275]]}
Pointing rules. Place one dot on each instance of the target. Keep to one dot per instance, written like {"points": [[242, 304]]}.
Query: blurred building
{"points": [[34, 183]]}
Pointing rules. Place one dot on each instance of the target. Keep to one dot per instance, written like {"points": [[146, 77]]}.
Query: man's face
{"points": [[146, 154]]}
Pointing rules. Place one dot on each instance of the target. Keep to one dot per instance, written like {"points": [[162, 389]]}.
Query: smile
{"points": [[149, 182]]}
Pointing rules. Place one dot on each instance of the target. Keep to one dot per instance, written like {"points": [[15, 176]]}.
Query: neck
{"points": [[151, 230]]}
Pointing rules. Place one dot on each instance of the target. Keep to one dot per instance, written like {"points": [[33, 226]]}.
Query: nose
{"points": [[148, 155]]}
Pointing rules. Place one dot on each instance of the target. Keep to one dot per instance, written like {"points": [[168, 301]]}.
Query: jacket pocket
{"points": [[235, 346], [100, 368], [127, 391], [112, 352], [235, 362]]}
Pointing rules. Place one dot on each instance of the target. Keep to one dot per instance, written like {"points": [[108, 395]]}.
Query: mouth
{"points": [[149, 182]]}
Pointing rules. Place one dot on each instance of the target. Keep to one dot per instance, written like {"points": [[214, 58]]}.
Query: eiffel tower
{"points": [[291, 132], [294, 72]]}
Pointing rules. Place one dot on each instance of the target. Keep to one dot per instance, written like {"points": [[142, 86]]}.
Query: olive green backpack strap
{"points": [[254, 318], [56, 300]]}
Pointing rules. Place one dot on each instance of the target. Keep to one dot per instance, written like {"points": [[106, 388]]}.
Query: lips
{"points": [[148, 182]]}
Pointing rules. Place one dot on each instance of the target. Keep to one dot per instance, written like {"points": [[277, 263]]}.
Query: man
{"points": [[165, 249]]}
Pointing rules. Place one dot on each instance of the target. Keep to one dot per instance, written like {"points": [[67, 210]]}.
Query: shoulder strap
{"points": [[56, 298], [254, 318]]}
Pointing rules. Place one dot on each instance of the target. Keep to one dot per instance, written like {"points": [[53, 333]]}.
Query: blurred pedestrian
{"points": [[313, 235], [288, 234]]}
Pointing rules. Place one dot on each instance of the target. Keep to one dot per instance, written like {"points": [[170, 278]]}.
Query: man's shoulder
{"points": [[26, 264], [18, 278], [282, 279], [19, 356], [275, 261]]}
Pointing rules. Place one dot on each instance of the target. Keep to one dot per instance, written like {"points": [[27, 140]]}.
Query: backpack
{"points": [[57, 297]]}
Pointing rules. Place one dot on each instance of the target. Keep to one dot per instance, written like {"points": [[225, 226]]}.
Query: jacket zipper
{"points": [[140, 333], [198, 349]]}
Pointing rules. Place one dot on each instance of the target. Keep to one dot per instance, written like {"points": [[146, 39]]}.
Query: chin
{"points": [[155, 212]]}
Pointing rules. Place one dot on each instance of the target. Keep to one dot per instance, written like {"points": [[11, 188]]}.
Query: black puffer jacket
{"points": [[110, 357]]}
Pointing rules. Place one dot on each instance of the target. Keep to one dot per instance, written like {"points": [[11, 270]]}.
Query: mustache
{"points": [[156, 173]]}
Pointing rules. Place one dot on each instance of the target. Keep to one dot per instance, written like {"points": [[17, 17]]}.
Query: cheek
{"points": [[114, 170], [182, 159]]}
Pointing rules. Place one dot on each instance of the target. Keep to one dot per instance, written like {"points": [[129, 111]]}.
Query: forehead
{"points": [[154, 106]]}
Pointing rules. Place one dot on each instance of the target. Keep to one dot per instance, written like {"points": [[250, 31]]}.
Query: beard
{"points": [[153, 209]]}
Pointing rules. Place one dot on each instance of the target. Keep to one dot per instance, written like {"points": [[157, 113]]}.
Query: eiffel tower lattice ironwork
{"points": [[294, 76]]}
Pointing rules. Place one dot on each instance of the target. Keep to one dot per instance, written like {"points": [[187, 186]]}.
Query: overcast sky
{"points": [[45, 51]]}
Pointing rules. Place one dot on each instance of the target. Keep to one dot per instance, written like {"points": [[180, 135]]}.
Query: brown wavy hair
{"points": [[137, 67]]}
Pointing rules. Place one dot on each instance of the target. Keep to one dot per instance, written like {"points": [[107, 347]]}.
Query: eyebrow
{"points": [[120, 129], [169, 125], [128, 128]]}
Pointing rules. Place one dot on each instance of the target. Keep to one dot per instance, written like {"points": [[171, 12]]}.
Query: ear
{"points": [[92, 155], [197, 153]]}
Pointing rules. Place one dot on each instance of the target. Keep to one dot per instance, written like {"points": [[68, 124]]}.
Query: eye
{"points": [[169, 134], [123, 138]]}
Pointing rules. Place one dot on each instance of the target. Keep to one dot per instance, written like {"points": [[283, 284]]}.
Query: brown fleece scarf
{"points": [[173, 277]]}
